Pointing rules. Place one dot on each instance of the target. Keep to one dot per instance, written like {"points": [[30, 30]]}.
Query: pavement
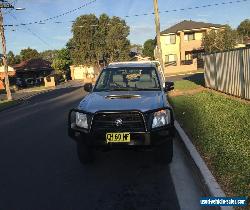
{"points": [[196, 76], [39, 168], [27, 93]]}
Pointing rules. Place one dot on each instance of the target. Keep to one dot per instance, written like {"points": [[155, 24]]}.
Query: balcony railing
{"points": [[186, 62], [171, 63]]}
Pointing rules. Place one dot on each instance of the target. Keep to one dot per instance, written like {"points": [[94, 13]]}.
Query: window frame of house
{"points": [[188, 35], [172, 62], [188, 56], [169, 41]]}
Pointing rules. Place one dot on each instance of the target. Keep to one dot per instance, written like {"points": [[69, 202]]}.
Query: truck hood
{"points": [[119, 100]]}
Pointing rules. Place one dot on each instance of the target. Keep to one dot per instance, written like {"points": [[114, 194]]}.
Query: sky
{"points": [[55, 36]]}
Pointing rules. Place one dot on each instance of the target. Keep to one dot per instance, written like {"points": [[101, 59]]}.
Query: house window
{"points": [[189, 37], [171, 39], [171, 60], [188, 56]]}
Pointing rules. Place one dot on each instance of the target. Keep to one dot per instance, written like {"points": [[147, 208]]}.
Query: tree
{"points": [[244, 28], [137, 48], [28, 53], [49, 55], [220, 40], [62, 61], [95, 38], [11, 58], [148, 48], [117, 42], [18, 59]]}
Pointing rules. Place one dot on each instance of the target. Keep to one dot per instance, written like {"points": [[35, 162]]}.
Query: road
{"points": [[39, 168], [27, 93]]}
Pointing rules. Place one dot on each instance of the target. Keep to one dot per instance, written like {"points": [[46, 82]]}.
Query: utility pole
{"points": [[158, 33], [7, 83]]}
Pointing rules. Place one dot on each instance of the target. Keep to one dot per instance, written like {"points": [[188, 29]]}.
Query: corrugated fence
{"points": [[229, 72]]}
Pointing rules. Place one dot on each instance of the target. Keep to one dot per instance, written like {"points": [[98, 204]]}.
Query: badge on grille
{"points": [[118, 122]]}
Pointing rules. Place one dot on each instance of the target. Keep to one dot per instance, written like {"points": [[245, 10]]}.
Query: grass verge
{"points": [[185, 85], [220, 129]]}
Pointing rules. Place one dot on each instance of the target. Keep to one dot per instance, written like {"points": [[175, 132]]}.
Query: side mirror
{"points": [[169, 85], [88, 87]]}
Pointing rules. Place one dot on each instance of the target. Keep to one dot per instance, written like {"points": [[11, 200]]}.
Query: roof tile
{"points": [[188, 25]]}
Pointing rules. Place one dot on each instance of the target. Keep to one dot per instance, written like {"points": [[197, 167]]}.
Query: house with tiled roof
{"points": [[182, 45], [33, 68]]}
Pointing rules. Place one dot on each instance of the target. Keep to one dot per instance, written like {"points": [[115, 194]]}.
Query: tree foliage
{"points": [[95, 38], [49, 55], [244, 28], [11, 58], [137, 48], [17, 59], [28, 53], [61, 63], [220, 40], [148, 48]]}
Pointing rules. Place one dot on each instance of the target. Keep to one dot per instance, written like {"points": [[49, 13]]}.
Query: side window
{"points": [[170, 58], [103, 80], [171, 39], [189, 36]]}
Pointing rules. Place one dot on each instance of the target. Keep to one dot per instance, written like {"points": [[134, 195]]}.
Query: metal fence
{"points": [[229, 72]]}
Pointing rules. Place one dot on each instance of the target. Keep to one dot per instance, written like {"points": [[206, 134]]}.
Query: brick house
{"points": [[33, 68], [182, 45]]}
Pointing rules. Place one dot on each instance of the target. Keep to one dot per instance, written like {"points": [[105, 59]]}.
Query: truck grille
{"points": [[131, 122]]}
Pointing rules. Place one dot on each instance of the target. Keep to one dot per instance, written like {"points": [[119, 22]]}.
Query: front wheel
{"points": [[85, 153], [164, 153]]}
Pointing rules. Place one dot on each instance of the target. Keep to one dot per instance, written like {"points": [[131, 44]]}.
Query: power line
{"points": [[189, 8], [54, 17], [33, 33], [129, 16]]}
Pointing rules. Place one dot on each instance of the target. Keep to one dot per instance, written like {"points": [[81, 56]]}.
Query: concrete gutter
{"points": [[11, 106], [206, 177]]}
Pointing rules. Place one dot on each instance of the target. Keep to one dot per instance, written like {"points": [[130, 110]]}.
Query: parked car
{"points": [[21, 83], [126, 109], [30, 82], [39, 81]]}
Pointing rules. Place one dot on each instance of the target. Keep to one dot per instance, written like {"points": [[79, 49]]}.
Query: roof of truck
{"points": [[131, 64]]}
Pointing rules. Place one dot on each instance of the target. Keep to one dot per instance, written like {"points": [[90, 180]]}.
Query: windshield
{"points": [[128, 79]]}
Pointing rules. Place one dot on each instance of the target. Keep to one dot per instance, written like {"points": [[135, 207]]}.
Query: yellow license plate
{"points": [[117, 137]]}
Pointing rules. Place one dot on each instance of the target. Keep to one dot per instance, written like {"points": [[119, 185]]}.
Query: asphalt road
{"points": [[39, 168]]}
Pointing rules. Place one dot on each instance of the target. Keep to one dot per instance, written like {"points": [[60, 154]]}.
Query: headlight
{"points": [[81, 120], [161, 118]]}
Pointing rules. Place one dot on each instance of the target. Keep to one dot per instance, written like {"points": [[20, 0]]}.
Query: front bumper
{"points": [[148, 138]]}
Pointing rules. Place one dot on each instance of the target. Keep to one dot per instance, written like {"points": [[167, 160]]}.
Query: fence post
{"points": [[215, 72], [242, 79]]}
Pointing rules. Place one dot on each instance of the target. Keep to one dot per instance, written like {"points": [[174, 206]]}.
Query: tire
{"points": [[164, 153], [85, 153]]}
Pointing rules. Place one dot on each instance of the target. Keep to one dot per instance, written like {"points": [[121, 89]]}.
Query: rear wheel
{"points": [[85, 153], [164, 153]]}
